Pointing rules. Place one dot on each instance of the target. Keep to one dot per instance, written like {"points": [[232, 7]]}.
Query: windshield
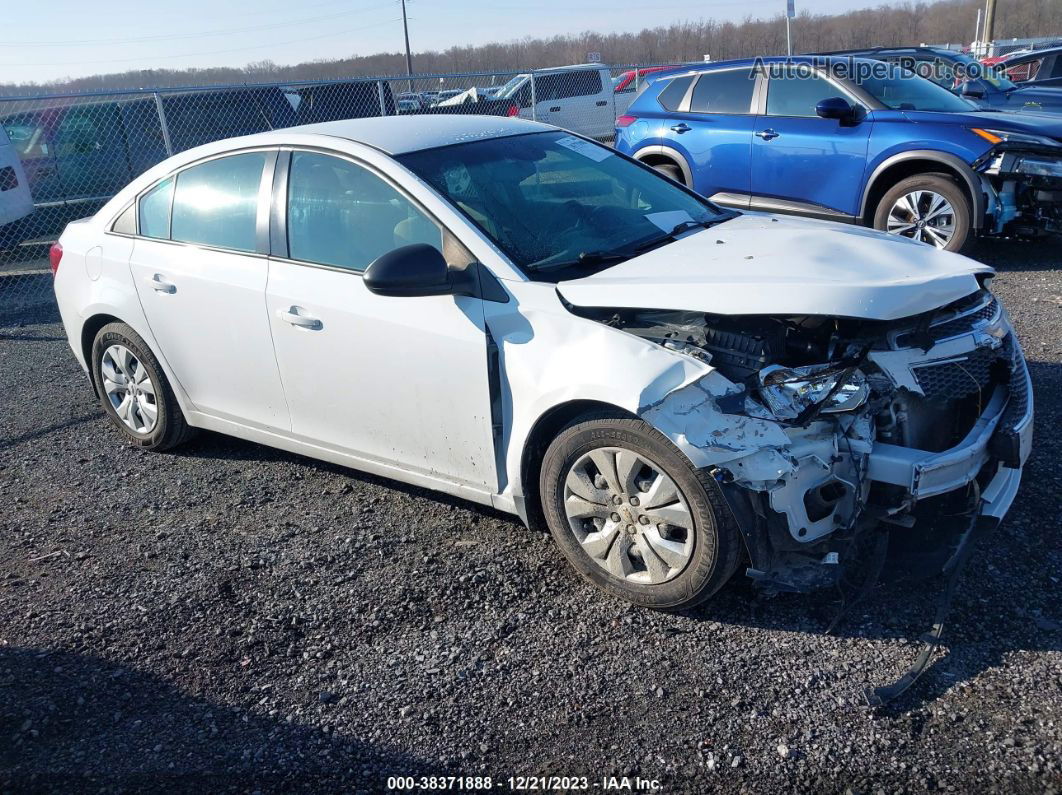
{"points": [[552, 201], [968, 69], [902, 89], [513, 85]]}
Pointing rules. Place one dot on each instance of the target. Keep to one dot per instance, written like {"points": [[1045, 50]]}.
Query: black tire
{"points": [[941, 184], [170, 428], [717, 548], [672, 171]]}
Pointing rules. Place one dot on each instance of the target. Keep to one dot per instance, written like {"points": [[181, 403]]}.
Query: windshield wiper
{"points": [[609, 257], [678, 229], [586, 258]]}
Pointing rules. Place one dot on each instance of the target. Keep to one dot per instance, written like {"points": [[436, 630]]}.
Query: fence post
{"points": [[534, 102], [380, 94], [162, 123]]}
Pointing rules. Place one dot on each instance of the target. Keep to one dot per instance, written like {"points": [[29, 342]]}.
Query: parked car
{"points": [[895, 152], [15, 200], [630, 81], [962, 74], [1039, 68], [578, 98], [76, 155], [677, 390]]}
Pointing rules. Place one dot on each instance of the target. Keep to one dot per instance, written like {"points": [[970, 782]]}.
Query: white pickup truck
{"points": [[15, 200], [579, 98]]}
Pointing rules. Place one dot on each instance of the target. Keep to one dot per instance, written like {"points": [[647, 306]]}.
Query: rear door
{"points": [[801, 162], [712, 128], [576, 100], [200, 271]]}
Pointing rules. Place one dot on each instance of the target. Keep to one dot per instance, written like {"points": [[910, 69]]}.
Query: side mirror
{"points": [[416, 269], [835, 108], [971, 90]]}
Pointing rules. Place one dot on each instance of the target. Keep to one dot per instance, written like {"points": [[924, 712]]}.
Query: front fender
{"points": [[970, 179]]}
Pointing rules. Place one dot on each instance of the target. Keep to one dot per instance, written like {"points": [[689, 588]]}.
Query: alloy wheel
{"points": [[924, 216], [628, 515], [129, 389]]}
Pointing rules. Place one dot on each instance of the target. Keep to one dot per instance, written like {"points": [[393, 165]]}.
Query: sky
{"points": [[71, 38]]}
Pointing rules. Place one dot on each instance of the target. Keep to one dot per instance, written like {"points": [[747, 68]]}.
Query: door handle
{"points": [[296, 317], [555, 109], [681, 127], [160, 285], [602, 103], [767, 135]]}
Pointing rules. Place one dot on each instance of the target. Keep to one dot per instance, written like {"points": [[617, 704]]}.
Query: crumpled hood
{"points": [[758, 264]]}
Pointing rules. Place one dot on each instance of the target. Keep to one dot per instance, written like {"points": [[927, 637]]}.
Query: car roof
{"points": [[397, 135], [1033, 55]]}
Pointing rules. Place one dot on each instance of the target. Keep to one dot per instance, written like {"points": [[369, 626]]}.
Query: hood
{"points": [[758, 264], [1010, 118], [1049, 97]]}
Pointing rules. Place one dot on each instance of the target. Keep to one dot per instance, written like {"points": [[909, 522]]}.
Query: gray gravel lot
{"points": [[231, 616]]}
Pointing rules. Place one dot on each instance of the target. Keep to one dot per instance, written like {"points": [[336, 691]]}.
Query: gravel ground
{"points": [[236, 617]]}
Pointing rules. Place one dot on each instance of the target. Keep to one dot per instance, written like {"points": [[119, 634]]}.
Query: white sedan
{"points": [[519, 316]]}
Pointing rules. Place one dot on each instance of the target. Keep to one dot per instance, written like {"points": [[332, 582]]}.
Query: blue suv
{"points": [[850, 140]]}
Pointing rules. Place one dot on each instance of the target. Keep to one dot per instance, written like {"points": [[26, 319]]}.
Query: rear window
{"points": [[671, 97], [729, 91]]}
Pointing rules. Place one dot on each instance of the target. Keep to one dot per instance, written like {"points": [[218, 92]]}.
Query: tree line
{"points": [[907, 23]]}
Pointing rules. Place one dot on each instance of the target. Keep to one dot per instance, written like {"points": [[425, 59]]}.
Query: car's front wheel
{"points": [[134, 390], [930, 208], [633, 515]]}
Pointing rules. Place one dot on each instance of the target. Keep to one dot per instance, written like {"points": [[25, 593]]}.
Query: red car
{"points": [[626, 82]]}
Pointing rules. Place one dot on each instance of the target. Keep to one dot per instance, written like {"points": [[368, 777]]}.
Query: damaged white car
{"points": [[506, 312]]}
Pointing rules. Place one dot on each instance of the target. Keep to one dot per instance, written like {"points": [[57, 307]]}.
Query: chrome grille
{"points": [[981, 310]]}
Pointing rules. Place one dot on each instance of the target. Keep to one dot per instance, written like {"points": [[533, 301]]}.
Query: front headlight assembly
{"points": [[790, 392], [1010, 137]]}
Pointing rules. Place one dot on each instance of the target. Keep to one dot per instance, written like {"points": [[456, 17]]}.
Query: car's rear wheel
{"points": [[930, 208], [134, 391], [670, 170], [633, 515]]}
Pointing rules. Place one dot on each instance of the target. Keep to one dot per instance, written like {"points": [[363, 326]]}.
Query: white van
{"points": [[15, 199], [579, 98]]}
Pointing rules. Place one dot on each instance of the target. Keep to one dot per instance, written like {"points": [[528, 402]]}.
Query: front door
{"points": [[201, 277], [798, 157], [399, 381]]}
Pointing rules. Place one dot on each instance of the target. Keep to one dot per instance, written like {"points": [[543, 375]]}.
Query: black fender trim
{"points": [[674, 154], [972, 181]]}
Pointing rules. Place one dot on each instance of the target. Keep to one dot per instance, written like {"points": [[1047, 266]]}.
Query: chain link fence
{"points": [[62, 156]]}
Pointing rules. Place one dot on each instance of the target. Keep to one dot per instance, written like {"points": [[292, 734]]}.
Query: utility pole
{"points": [[990, 21], [409, 58]]}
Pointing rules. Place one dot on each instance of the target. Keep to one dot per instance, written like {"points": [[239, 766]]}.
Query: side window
{"points": [[548, 87], [671, 96], [216, 203], [579, 84], [28, 138], [344, 215], [155, 210], [798, 96], [728, 91]]}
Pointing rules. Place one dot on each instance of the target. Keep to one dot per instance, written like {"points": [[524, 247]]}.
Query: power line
{"points": [[175, 36], [219, 52]]}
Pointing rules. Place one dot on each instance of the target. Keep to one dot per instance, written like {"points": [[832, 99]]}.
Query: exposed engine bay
{"points": [[825, 432], [852, 451]]}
